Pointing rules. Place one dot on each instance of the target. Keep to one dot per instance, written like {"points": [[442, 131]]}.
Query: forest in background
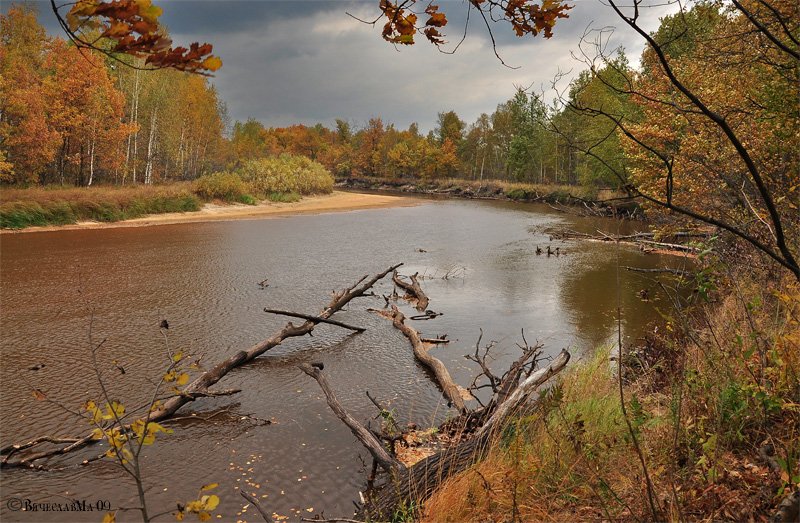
{"points": [[75, 117]]}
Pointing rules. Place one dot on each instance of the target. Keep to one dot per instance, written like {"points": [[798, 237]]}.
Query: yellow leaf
{"points": [[147, 11], [209, 486], [210, 502], [179, 515], [114, 410], [127, 454], [182, 379], [212, 63], [98, 434], [110, 518], [178, 356], [155, 427], [204, 516]]}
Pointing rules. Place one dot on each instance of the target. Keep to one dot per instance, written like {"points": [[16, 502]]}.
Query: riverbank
{"points": [[707, 431], [603, 202], [337, 201]]}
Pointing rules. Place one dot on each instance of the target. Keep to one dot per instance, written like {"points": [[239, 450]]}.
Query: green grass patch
{"points": [[41, 206], [284, 197]]}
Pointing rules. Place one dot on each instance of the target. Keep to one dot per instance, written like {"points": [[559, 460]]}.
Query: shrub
{"points": [[286, 174], [226, 186], [284, 197]]}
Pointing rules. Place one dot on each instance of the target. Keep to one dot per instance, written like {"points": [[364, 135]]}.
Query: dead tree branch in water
{"points": [[315, 319], [450, 389], [388, 462], [413, 289], [200, 386]]}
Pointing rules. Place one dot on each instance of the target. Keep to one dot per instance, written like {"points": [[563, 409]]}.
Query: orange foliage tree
{"points": [[60, 111], [86, 112], [26, 141]]}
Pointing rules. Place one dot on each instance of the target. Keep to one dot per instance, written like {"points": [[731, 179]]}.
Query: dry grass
{"points": [[560, 458], [40, 206]]}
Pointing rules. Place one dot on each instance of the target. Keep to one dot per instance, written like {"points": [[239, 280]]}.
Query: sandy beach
{"points": [[337, 201]]}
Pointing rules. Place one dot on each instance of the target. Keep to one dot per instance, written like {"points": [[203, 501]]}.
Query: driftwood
{"points": [[450, 389], [379, 453], [676, 272], [413, 289], [414, 484], [502, 386], [200, 386], [644, 240]]}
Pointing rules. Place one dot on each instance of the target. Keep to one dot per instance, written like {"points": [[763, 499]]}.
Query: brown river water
{"points": [[204, 279]]}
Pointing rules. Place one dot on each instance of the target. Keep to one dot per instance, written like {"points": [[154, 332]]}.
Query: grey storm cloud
{"points": [[308, 62]]}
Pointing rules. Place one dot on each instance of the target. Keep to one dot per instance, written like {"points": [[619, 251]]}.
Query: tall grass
{"points": [[545, 460], [39, 206]]}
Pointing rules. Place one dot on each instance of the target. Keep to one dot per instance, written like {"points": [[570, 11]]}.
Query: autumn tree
{"points": [[449, 125], [27, 142], [248, 140], [370, 154], [718, 142], [86, 113], [61, 115]]}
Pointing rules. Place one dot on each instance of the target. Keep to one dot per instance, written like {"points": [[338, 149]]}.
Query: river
{"points": [[117, 284]]}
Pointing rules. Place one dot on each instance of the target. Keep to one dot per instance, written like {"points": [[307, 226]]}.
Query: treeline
{"points": [[523, 140], [75, 117], [71, 116]]}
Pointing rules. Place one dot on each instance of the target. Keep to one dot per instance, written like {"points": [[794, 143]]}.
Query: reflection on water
{"points": [[118, 284]]}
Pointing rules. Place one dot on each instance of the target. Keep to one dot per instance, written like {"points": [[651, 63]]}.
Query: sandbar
{"points": [[337, 201]]}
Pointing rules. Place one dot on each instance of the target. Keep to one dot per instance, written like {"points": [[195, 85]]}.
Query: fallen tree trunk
{"points": [[415, 484], [413, 289], [200, 386], [450, 389]]}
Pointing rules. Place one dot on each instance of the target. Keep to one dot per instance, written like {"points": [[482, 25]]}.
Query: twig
{"points": [[315, 319], [252, 499]]}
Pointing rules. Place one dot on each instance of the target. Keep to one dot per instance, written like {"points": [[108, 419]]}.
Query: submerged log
{"points": [[200, 386], [450, 389], [413, 289], [379, 453]]}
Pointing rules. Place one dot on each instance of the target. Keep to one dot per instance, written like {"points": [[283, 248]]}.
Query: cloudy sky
{"points": [[308, 61]]}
